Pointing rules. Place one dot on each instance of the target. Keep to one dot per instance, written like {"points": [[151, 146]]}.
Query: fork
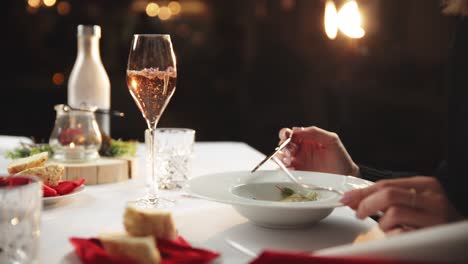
{"points": [[303, 185], [283, 168]]}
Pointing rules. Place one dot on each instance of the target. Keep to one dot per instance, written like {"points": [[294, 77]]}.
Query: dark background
{"points": [[246, 68]]}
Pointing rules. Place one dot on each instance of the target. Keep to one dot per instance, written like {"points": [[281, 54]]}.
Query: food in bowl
{"points": [[289, 195], [278, 192]]}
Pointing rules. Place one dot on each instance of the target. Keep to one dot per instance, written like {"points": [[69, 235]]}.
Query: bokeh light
{"points": [[331, 20], [288, 5], [164, 13], [49, 3], [63, 8], [152, 9], [58, 78], [34, 3], [349, 20], [174, 7]]}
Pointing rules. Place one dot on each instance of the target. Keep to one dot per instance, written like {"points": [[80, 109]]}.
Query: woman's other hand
{"points": [[408, 203]]}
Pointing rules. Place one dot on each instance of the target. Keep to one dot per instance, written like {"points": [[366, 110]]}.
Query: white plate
{"points": [[255, 196], [55, 199]]}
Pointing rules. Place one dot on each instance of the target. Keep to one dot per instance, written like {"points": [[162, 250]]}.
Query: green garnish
{"points": [[111, 148], [285, 191], [28, 149], [119, 148]]}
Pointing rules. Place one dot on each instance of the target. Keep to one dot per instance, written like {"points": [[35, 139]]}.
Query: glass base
{"points": [[171, 185], [75, 155], [153, 202]]}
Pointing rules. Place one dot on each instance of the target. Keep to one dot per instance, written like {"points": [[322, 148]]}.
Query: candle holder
{"points": [[76, 136]]}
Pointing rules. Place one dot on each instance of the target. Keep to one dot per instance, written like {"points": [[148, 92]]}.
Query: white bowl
{"points": [[256, 197]]}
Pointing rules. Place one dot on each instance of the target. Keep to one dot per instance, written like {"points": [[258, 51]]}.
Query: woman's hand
{"points": [[315, 149], [412, 203]]}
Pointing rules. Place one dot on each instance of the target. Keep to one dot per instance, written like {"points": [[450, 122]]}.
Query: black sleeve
{"points": [[456, 180], [372, 174]]}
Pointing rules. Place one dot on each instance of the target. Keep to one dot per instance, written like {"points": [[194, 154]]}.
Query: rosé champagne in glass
{"points": [[151, 80]]}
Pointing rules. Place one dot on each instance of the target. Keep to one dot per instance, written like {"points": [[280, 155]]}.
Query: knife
{"points": [[277, 149]]}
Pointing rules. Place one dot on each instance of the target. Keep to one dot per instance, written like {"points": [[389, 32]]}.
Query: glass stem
{"points": [[153, 182]]}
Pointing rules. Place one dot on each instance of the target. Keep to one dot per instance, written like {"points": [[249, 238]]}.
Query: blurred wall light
{"points": [[152, 9], [288, 5], [58, 78], [49, 3], [347, 20], [174, 7], [164, 13], [63, 8], [331, 20], [34, 3]]}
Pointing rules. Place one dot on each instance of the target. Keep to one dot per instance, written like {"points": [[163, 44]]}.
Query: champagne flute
{"points": [[151, 79]]}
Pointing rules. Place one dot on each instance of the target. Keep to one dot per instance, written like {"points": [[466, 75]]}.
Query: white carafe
{"points": [[89, 83]]}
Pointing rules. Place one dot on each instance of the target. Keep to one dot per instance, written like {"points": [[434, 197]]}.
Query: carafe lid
{"points": [[89, 31]]}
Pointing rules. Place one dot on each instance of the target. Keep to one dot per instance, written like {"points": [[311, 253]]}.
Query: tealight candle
{"points": [[73, 152]]}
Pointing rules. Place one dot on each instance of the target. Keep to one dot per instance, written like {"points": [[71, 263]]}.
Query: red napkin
{"points": [[90, 251], [64, 187], [277, 257], [10, 181]]}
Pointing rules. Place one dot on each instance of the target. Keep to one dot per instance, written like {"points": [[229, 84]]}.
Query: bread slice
{"points": [[149, 222], [374, 233], [50, 174], [141, 250], [22, 164]]}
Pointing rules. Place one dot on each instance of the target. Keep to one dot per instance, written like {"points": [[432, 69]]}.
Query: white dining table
{"points": [[206, 224]]}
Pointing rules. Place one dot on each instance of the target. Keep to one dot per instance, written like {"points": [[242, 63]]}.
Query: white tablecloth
{"points": [[207, 224]]}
